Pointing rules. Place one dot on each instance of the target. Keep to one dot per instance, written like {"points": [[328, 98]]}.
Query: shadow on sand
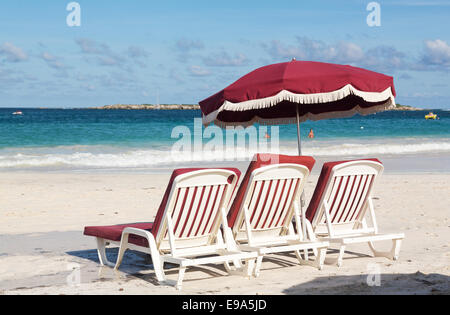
{"points": [[139, 265], [415, 283]]}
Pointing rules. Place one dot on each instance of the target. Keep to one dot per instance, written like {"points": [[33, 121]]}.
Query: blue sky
{"points": [[135, 52]]}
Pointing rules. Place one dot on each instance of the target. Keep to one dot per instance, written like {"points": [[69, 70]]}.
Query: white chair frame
{"points": [[264, 240], [357, 229], [207, 248]]}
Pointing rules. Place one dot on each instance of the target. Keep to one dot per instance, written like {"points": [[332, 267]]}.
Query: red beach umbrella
{"points": [[295, 91]]}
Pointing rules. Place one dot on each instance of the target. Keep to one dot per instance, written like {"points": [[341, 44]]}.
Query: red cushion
{"points": [[322, 183], [114, 232], [260, 160]]}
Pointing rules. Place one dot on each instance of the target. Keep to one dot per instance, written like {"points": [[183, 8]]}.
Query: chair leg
{"points": [[341, 255], [320, 257], [299, 256], [180, 277], [157, 261], [233, 267], [249, 268], [122, 249], [392, 254], [246, 268], [396, 249], [258, 266], [231, 246], [101, 251], [306, 254], [237, 263], [228, 267], [310, 235], [319, 260]]}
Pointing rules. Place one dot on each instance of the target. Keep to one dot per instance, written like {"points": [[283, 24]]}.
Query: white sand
{"points": [[42, 250]]}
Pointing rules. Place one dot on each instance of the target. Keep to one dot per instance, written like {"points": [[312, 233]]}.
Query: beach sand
{"points": [[43, 251]]}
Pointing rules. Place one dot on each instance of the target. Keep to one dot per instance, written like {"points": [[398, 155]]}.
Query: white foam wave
{"points": [[116, 157], [383, 149]]}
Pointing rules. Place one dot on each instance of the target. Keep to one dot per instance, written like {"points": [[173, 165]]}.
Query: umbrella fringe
{"points": [[285, 95], [389, 104]]}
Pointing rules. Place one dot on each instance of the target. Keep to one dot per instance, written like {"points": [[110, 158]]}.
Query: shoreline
{"points": [[429, 163]]}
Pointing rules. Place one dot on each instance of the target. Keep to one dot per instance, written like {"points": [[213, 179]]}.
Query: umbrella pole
{"points": [[302, 197], [299, 141]]}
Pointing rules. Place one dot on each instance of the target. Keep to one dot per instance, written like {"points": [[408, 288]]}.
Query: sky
{"points": [[144, 52]]}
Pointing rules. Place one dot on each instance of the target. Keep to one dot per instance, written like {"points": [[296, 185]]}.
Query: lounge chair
{"points": [[267, 201], [341, 207], [187, 227]]}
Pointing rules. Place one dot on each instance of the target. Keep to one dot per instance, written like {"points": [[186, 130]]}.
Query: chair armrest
{"points": [[138, 232]]}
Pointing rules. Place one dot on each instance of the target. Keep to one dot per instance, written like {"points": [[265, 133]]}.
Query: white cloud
{"points": [[103, 54], [283, 52], [380, 58], [186, 45], [52, 61], [310, 49], [12, 53], [223, 59], [437, 53], [89, 46], [187, 49], [198, 71], [348, 52], [137, 52]]}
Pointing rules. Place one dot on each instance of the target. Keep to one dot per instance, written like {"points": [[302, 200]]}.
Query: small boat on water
{"points": [[17, 113], [431, 115]]}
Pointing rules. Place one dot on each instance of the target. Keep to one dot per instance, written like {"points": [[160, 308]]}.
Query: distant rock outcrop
{"points": [[187, 107], [405, 107], [149, 106]]}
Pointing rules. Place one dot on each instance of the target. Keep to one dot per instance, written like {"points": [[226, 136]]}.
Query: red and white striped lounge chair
{"points": [[341, 207], [267, 201], [187, 227]]}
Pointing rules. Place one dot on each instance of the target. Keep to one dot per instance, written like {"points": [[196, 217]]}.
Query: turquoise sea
{"points": [[98, 139]]}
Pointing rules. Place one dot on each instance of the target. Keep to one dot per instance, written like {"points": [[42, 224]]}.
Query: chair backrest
{"points": [[340, 200], [271, 186], [192, 204]]}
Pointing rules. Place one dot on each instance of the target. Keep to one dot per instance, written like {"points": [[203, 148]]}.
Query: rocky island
{"points": [[195, 106], [149, 106], [405, 107]]}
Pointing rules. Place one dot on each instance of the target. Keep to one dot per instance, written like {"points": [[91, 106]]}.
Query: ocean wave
{"points": [[120, 157], [383, 149]]}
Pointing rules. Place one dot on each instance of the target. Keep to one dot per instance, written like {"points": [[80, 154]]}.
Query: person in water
{"points": [[311, 134]]}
